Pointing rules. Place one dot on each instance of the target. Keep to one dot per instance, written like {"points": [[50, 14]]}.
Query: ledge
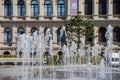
{"points": [[48, 16], [88, 16], [21, 17], [116, 15], [35, 17]]}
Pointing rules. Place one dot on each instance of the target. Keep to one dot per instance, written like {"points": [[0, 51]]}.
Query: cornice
{"points": [[98, 23]]}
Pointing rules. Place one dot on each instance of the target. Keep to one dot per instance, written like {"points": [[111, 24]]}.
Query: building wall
{"points": [[54, 21]]}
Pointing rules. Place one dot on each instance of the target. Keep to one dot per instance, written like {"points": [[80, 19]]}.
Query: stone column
{"points": [[95, 9], [96, 32], [41, 9], [55, 37], [14, 33], [55, 34], [2, 9], [41, 30], [54, 9], [14, 2], [28, 9], [110, 9], [81, 7], [28, 30], [68, 10], [14, 38], [1, 33], [2, 38]]}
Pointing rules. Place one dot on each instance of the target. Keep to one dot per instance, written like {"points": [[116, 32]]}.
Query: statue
{"points": [[109, 33], [48, 36]]}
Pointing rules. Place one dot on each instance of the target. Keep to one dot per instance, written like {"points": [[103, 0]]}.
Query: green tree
{"points": [[79, 26]]}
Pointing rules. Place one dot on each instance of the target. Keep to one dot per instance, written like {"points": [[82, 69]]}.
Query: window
{"points": [[48, 35], [8, 35], [102, 7], [8, 8], [115, 59], [21, 8], [102, 32], [116, 6], [33, 30], [61, 8], [88, 7], [21, 31], [48, 8], [61, 37], [34, 8], [116, 34], [58, 35]]}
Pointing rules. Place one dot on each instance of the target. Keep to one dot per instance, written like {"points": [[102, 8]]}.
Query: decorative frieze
{"points": [[32, 23]]}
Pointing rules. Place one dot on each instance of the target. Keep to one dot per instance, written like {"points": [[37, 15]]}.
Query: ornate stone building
{"points": [[26, 16]]}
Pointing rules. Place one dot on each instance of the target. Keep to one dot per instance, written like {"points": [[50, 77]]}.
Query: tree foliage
{"points": [[79, 26]]}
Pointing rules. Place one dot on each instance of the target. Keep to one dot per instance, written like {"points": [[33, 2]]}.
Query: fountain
{"points": [[78, 64]]}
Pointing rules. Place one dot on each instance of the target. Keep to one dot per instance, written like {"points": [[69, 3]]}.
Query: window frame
{"points": [[20, 31], [8, 35], [7, 8], [88, 10], [48, 11], [34, 8], [102, 7], [21, 8], [61, 8]]}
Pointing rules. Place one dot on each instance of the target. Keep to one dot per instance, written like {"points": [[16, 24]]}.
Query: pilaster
{"points": [[96, 33], [1, 33], [14, 30], [41, 30], [54, 9], [28, 30], [28, 9], [55, 34], [14, 3], [95, 9], [68, 10], [81, 6], [110, 9], [41, 9], [1, 10]]}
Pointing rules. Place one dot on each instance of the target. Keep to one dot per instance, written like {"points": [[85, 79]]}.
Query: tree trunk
{"points": [[78, 42]]}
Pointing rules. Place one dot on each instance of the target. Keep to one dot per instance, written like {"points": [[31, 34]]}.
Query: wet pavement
{"points": [[60, 73]]}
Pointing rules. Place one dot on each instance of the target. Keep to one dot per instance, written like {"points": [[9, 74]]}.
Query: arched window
{"points": [[61, 38], [34, 8], [48, 35], [33, 30], [8, 35], [102, 32], [102, 7], [21, 8], [58, 35], [88, 7], [8, 8], [61, 8], [33, 52], [116, 34], [48, 8], [21, 31], [6, 53], [116, 6]]}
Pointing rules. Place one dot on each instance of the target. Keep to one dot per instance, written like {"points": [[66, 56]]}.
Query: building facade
{"points": [[27, 16]]}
